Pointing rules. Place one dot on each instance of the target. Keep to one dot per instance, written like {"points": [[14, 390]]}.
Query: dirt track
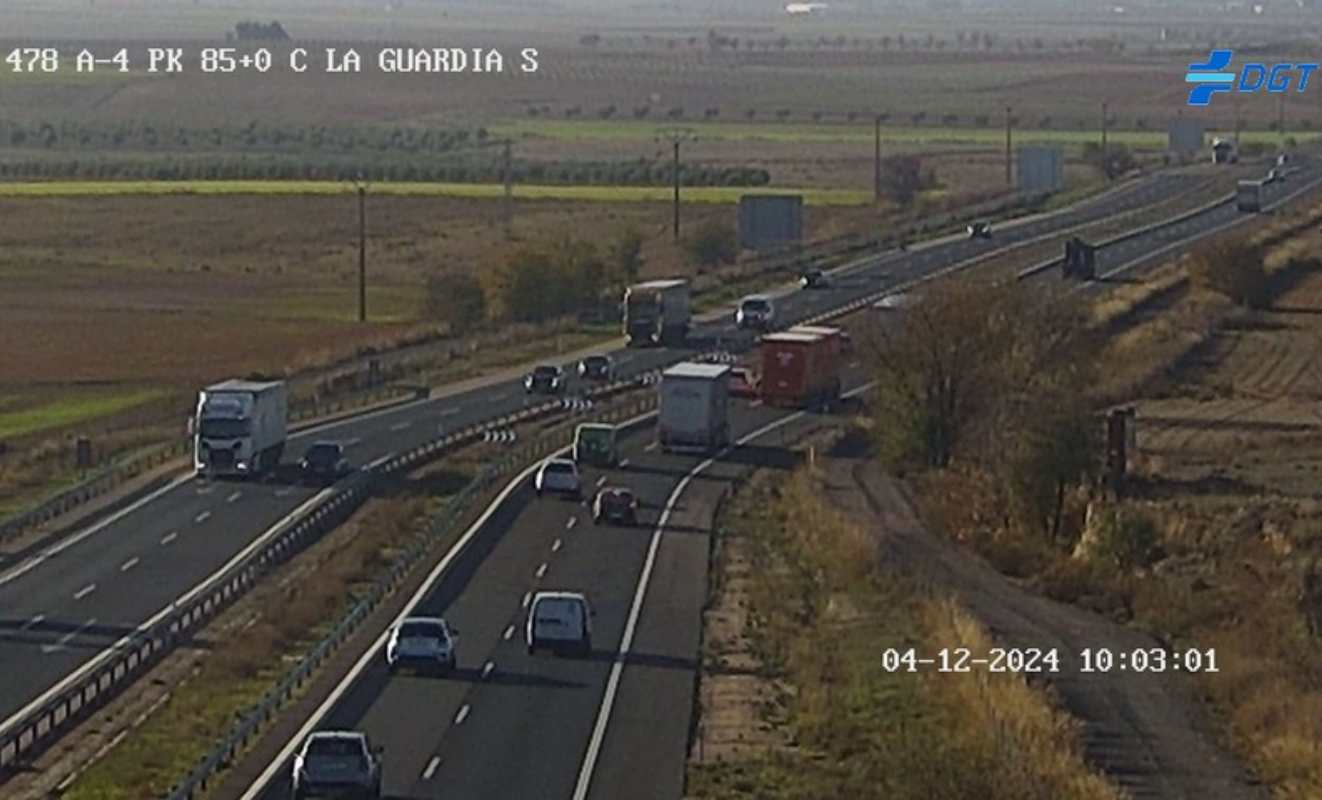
{"points": [[1146, 731]]}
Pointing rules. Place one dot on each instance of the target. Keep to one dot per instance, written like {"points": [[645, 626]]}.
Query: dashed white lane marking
{"points": [[487, 669], [233, 497], [431, 768], [37, 620], [68, 637], [169, 537], [571, 522], [399, 426], [555, 545], [128, 565], [452, 411], [541, 571], [600, 481], [351, 442], [85, 591], [203, 517], [284, 492], [509, 633], [651, 446], [754, 403], [527, 598], [624, 462], [462, 715]]}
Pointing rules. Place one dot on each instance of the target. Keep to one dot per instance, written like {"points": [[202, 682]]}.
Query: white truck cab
{"points": [[559, 622]]}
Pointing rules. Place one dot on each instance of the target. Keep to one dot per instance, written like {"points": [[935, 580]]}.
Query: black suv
{"points": [[544, 380], [324, 462], [595, 368]]}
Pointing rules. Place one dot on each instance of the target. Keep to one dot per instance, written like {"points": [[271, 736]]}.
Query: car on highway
{"points": [[615, 504], [337, 764], [560, 622], [324, 462], [743, 382], [755, 311], [560, 476], [815, 279], [596, 368], [1275, 175], [979, 230], [544, 379], [422, 643]]}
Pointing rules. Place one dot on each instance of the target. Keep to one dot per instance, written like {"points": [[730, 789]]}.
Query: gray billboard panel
{"points": [[1041, 169], [770, 220], [1186, 136]]}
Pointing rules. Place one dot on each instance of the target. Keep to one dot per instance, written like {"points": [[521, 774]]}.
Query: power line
{"points": [[676, 136]]}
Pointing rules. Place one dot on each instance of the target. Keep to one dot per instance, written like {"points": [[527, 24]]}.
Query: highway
{"points": [[507, 724], [65, 602]]}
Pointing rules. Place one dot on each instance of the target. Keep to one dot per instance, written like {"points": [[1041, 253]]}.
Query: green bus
{"points": [[595, 444]]}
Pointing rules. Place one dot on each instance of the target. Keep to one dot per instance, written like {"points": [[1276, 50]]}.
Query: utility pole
{"points": [[676, 136], [362, 249], [1105, 170], [509, 189], [876, 159], [1009, 178]]}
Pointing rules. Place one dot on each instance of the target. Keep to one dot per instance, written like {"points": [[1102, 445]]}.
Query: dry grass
{"points": [[819, 612]]}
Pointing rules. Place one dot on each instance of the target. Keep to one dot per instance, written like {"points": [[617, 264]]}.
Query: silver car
{"points": [[425, 643], [559, 475], [337, 764]]}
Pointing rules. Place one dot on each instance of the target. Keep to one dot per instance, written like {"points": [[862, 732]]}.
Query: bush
{"points": [[1126, 539], [712, 243], [456, 298], [1233, 268]]}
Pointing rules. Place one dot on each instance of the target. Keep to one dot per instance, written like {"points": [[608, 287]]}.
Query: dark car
{"points": [[979, 230], [615, 504], [325, 462], [596, 368], [815, 279], [544, 380]]}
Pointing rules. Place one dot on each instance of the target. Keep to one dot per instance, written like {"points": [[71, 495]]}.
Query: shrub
{"points": [[1233, 268], [1126, 539], [712, 243]]}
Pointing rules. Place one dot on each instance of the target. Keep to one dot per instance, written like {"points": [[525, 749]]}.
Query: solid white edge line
{"points": [[65, 544], [95, 662], [617, 668], [259, 785]]}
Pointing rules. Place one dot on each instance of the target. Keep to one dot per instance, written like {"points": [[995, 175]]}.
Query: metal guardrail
{"points": [[252, 721], [128, 468], [132, 655]]}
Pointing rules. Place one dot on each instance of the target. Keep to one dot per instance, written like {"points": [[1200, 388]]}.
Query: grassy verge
{"points": [[820, 612], [598, 194], [69, 408]]}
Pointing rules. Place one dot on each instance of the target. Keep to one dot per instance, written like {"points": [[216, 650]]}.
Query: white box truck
{"points": [[657, 312], [694, 407], [239, 428]]}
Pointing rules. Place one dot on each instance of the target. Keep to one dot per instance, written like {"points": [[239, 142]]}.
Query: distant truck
{"points": [[694, 407], [1224, 152], [239, 427], [657, 312], [1080, 260], [1248, 196], [800, 370]]}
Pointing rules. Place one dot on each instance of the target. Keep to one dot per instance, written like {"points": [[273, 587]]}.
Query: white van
{"points": [[559, 621]]}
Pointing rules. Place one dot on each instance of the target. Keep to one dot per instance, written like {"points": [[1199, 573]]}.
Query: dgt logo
{"points": [[1212, 77]]}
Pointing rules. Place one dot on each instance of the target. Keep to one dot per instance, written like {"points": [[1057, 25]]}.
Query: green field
{"points": [[65, 411], [592, 194], [994, 135]]}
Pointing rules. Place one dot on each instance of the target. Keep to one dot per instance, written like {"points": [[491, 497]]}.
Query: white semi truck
{"points": [[240, 427], [694, 407], [657, 312]]}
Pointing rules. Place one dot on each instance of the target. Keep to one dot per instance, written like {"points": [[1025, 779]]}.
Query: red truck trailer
{"points": [[800, 370]]}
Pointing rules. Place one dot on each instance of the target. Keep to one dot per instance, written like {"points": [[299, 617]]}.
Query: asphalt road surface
{"points": [[64, 603]]}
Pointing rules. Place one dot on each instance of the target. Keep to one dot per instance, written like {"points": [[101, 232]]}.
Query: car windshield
{"points": [[335, 748], [560, 468], [544, 372], [756, 305], [224, 427], [422, 630]]}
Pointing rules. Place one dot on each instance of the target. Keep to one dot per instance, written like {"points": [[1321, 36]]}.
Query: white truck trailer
{"points": [[240, 427], [657, 312], [694, 407]]}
